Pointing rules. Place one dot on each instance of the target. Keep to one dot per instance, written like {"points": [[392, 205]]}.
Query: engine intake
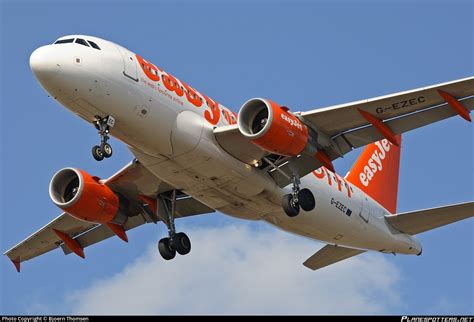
{"points": [[83, 196], [272, 127]]}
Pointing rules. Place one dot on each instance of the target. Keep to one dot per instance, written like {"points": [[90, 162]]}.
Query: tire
{"points": [[165, 249], [97, 153], [306, 199], [181, 243], [289, 207], [106, 150]]}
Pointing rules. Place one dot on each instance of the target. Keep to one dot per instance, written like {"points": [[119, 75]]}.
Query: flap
{"points": [[184, 207], [102, 232]]}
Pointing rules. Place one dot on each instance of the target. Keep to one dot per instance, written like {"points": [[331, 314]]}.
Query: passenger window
{"points": [[82, 42], [93, 44], [64, 41]]}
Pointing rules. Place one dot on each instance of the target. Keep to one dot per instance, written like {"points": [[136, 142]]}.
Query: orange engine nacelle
{"points": [[83, 196], [272, 127]]}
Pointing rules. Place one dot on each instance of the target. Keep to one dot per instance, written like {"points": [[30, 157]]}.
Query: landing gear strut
{"points": [[290, 202], [175, 242], [103, 125]]}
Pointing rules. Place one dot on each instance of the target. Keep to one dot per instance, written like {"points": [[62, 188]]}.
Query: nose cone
{"points": [[43, 64]]}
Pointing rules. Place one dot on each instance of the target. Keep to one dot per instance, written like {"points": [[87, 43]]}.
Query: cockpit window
{"points": [[93, 44], [64, 41], [82, 42]]}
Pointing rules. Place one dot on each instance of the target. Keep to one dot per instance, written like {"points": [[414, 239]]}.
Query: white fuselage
{"points": [[173, 137]]}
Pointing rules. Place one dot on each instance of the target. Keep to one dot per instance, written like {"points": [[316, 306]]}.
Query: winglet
{"points": [[380, 126], [71, 243], [17, 263], [456, 105], [119, 231]]}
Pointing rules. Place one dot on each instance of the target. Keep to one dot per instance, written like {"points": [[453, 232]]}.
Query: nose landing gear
{"points": [[103, 125]]}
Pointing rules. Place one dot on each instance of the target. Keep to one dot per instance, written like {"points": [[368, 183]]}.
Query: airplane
{"points": [[194, 156]]}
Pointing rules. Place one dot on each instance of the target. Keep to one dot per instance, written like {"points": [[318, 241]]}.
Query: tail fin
{"points": [[376, 172]]}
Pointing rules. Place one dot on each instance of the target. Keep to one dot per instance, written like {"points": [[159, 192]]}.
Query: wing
{"points": [[45, 240], [342, 128], [400, 112], [330, 254], [419, 221], [131, 182]]}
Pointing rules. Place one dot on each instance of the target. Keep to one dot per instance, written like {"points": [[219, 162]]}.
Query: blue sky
{"points": [[302, 54]]}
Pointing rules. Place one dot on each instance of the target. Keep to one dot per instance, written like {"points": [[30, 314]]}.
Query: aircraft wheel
{"points": [[106, 150], [306, 199], [182, 243], [165, 249], [291, 208], [97, 153]]}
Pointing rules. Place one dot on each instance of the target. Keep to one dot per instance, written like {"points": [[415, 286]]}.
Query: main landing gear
{"points": [[292, 202], [103, 125], [303, 198], [175, 242]]}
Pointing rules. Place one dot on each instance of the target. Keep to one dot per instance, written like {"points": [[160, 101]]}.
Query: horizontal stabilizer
{"points": [[330, 254], [419, 221]]}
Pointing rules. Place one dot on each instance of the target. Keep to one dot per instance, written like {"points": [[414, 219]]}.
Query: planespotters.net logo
{"points": [[437, 319], [375, 164]]}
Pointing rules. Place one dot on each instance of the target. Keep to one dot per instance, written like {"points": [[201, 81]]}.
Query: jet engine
{"points": [[272, 128], [84, 196]]}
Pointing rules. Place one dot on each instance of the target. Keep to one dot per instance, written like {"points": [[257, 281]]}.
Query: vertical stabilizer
{"points": [[376, 172]]}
